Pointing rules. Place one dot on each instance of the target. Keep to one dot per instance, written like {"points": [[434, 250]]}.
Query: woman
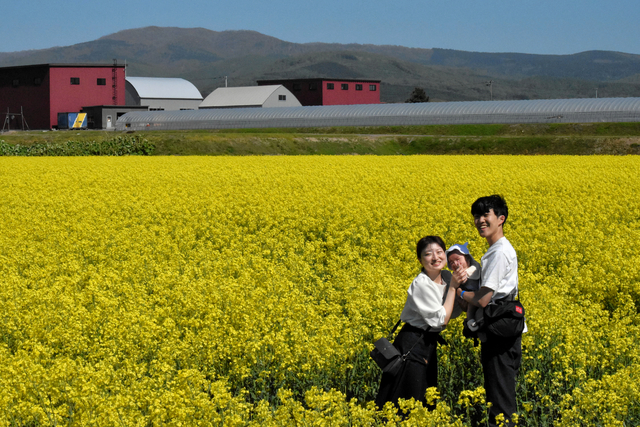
{"points": [[430, 302]]}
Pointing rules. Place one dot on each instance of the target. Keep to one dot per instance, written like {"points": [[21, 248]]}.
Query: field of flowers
{"points": [[249, 290]]}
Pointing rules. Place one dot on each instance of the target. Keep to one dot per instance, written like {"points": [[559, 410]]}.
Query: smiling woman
{"points": [[426, 313]]}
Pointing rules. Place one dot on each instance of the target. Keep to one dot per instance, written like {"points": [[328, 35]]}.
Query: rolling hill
{"points": [[204, 57]]}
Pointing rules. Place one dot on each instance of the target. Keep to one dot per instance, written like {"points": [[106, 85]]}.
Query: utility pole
{"points": [[490, 84]]}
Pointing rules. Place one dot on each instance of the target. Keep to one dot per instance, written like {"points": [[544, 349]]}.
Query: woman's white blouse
{"points": [[424, 304]]}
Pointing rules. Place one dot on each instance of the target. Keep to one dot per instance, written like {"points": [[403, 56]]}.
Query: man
{"points": [[499, 280]]}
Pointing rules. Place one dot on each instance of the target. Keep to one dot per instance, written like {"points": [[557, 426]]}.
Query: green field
{"points": [[575, 139]]}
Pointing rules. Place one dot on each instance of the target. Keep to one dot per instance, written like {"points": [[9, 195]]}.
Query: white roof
{"points": [[164, 88], [239, 96]]}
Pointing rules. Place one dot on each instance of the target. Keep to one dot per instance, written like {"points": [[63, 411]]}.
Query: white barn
{"points": [[250, 97], [160, 93]]}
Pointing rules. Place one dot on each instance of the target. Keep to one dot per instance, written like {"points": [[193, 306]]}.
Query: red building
{"points": [[331, 91], [42, 91]]}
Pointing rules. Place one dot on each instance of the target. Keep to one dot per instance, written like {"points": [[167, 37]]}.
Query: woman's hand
{"points": [[460, 276]]}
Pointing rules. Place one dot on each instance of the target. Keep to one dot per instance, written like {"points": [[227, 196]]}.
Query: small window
{"points": [[15, 83], [156, 109], [282, 97], [358, 87], [102, 82], [344, 86], [37, 81], [297, 87], [75, 80], [313, 86], [330, 86], [373, 88]]}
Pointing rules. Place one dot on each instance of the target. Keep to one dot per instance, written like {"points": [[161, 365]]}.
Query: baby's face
{"points": [[457, 260]]}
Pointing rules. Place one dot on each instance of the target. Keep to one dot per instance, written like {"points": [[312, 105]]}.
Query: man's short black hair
{"points": [[426, 241], [484, 204]]}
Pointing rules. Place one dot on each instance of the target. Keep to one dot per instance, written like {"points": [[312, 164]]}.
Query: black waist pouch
{"points": [[504, 319]]}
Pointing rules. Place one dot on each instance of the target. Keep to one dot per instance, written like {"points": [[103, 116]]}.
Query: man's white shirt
{"points": [[500, 270]]}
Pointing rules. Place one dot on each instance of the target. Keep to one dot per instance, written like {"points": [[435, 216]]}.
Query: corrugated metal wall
{"points": [[476, 112]]}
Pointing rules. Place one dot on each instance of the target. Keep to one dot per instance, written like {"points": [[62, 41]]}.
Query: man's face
{"points": [[488, 224], [457, 260]]}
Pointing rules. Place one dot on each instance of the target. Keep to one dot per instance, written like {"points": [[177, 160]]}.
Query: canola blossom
{"points": [[248, 291]]}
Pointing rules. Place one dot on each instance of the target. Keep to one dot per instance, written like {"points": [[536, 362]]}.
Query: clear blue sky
{"points": [[526, 26]]}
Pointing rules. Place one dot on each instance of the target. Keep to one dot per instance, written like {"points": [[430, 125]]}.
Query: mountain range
{"points": [[206, 57]]}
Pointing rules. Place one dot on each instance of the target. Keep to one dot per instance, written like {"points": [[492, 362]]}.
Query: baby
{"points": [[458, 257]]}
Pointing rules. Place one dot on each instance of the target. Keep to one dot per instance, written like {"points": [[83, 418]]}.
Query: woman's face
{"points": [[433, 258], [457, 260]]}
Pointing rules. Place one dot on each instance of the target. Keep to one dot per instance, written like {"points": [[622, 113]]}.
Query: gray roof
{"points": [[67, 65], [316, 79], [537, 111], [164, 88], [245, 96]]}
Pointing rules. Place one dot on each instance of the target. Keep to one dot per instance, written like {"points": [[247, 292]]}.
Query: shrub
{"points": [[118, 146]]}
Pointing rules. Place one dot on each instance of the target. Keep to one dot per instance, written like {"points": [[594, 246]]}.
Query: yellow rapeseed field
{"points": [[249, 290]]}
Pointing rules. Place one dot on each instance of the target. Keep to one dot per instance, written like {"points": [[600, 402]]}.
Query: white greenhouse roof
{"points": [[164, 88], [587, 110], [244, 96]]}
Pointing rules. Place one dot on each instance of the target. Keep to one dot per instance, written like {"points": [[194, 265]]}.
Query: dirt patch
{"points": [[628, 145]]}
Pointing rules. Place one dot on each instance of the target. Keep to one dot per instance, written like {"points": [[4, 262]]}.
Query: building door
{"points": [[108, 122]]}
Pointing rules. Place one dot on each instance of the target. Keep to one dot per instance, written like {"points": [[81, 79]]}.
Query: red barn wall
{"points": [[31, 94], [70, 98], [316, 92], [308, 92], [350, 96]]}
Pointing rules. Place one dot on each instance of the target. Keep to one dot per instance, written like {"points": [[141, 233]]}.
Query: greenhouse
{"points": [[432, 113]]}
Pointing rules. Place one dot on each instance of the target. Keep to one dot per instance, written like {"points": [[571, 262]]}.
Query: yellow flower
{"points": [[249, 290]]}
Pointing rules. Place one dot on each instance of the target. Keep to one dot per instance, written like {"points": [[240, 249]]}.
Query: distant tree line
{"points": [[418, 95]]}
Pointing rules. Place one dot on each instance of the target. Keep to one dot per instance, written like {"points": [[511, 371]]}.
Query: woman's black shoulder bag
{"points": [[386, 355]]}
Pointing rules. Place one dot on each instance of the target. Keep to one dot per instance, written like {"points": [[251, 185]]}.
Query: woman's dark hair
{"points": [[426, 241], [484, 204]]}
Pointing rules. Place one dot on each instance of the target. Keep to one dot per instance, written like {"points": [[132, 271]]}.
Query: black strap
{"points": [[439, 337], [514, 295], [398, 324], [395, 327], [404, 356]]}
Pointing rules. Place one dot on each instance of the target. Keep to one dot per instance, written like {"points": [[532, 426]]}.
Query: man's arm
{"points": [[478, 299]]}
